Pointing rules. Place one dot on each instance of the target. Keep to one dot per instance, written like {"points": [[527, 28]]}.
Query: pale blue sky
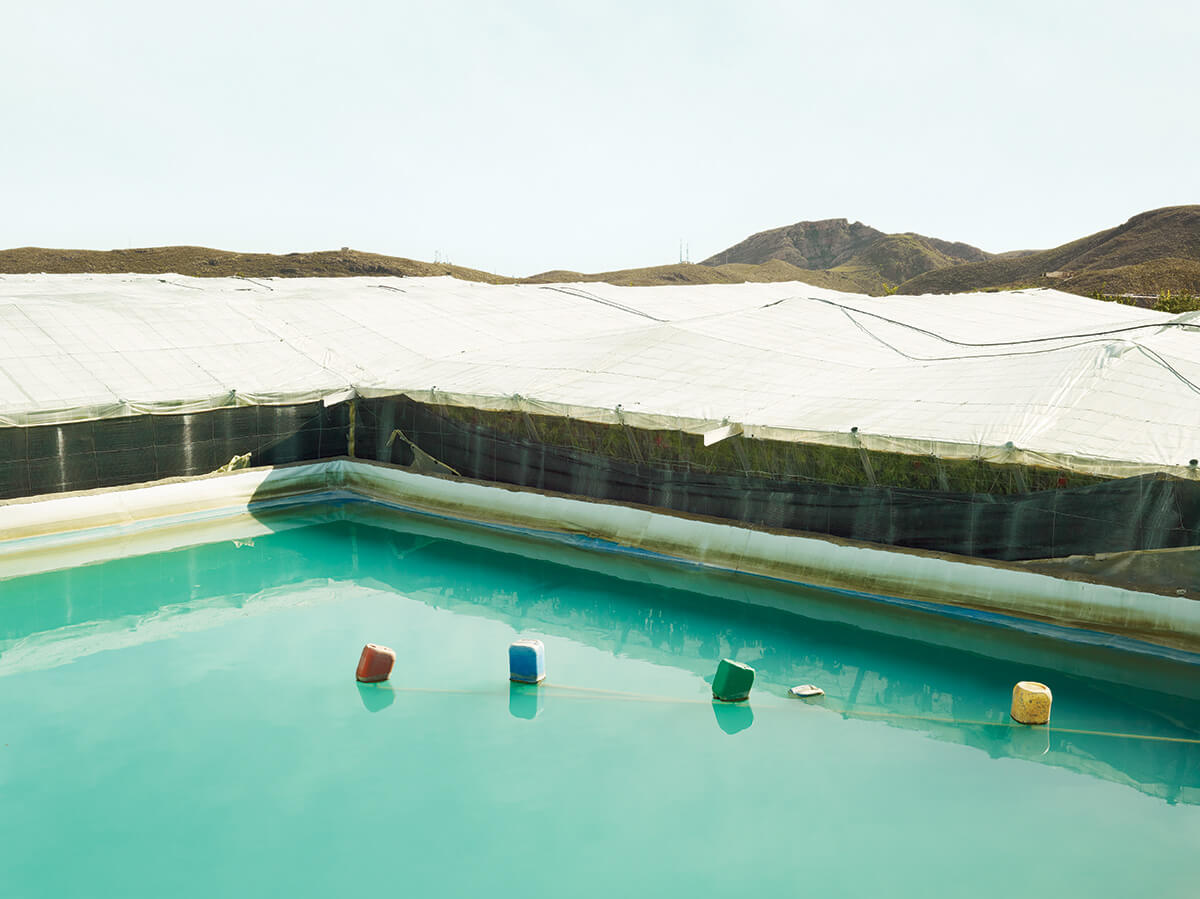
{"points": [[532, 135]]}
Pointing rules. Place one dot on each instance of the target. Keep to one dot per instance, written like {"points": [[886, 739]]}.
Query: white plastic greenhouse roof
{"points": [[1034, 376]]}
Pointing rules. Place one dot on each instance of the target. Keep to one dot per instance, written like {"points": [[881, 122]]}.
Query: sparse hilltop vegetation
{"points": [[203, 262], [853, 254], [1154, 256], [1150, 254]]}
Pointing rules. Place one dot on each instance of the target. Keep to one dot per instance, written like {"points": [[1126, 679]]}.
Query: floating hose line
{"points": [[560, 689], [568, 691], [1012, 725]]}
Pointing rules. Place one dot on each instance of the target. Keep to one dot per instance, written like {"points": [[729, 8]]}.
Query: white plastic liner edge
{"points": [[44, 534]]}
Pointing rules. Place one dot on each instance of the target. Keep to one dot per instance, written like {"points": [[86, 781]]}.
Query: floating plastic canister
{"points": [[733, 681], [527, 661], [375, 663], [1031, 702]]}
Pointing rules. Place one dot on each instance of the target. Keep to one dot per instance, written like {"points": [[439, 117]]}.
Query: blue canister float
{"points": [[527, 661]]}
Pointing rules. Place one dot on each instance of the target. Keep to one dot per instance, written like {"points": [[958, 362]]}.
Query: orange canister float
{"points": [[375, 664]]}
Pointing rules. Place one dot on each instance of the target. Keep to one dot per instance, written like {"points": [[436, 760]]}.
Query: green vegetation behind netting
{"points": [[1171, 302], [806, 462]]}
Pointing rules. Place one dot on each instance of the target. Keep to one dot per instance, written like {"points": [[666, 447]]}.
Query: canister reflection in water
{"points": [[376, 696], [733, 718], [525, 700]]}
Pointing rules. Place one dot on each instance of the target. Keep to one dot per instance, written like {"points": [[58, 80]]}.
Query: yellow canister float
{"points": [[1031, 702]]}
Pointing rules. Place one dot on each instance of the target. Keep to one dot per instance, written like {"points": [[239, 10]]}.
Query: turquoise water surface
{"points": [[188, 724]]}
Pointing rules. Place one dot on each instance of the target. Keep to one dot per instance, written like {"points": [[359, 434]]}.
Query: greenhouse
{"points": [[1032, 428]]}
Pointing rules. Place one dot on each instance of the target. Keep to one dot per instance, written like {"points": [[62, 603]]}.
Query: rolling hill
{"points": [[201, 262], [693, 273], [857, 254], [1152, 252]]}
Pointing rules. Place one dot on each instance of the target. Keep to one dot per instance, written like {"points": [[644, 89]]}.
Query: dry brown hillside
{"points": [[1152, 252], [849, 256], [203, 262]]}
